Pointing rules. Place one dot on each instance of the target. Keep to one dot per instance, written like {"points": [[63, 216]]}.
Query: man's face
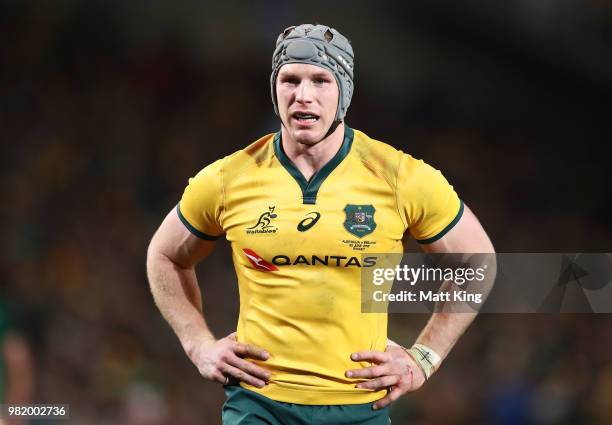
{"points": [[307, 97]]}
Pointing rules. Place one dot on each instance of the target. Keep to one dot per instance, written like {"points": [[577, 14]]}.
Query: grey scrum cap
{"points": [[317, 45]]}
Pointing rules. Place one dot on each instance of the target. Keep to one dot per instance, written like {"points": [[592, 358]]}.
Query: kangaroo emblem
{"points": [[264, 219]]}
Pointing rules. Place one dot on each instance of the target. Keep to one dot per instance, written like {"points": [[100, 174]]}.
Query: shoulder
{"points": [[395, 166], [382, 158], [256, 154]]}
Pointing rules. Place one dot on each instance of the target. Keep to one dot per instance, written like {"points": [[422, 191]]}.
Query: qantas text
{"points": [[326, 260]]}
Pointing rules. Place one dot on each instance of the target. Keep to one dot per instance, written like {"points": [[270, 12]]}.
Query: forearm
{"points": [[177, 295], [471, 249], [451, 319], [443, 330], [20, 373]]}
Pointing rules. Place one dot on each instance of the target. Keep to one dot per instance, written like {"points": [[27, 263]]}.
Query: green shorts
{"points": [[244, 407]]}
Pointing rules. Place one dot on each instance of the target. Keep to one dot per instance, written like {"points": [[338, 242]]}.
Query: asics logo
{"points": [[309, 221]]}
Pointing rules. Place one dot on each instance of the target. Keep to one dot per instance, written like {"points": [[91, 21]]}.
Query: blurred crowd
{"points": [[107, 109]]}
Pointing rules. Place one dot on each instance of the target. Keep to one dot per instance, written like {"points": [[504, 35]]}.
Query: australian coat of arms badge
{"points": [[359, 219]]}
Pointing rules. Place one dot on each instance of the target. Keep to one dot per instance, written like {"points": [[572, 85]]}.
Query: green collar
{"points": [[310, 188]]}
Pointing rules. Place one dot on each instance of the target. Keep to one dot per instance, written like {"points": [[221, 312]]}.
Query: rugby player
{"points": [[299, 208]]}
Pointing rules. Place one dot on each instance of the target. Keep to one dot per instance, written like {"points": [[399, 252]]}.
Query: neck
{"points": [[311, 158]]}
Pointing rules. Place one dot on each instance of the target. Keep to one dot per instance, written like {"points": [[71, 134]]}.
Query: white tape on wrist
{"points": [[427, 359]]}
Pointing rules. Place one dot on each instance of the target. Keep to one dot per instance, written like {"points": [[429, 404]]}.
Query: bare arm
{"points": [[394, 368], [171, 259], [20, 373], [444, 329]]}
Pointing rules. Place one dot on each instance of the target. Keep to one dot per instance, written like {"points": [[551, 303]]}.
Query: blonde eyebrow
{"points": [[286, 74], [321, 75]]}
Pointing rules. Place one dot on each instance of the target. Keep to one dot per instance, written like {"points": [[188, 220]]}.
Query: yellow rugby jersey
{"points": [[297, 248]]}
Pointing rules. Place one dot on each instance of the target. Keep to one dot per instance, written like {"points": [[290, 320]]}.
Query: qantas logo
{"points": [[324, 260], [258, 262], [314, 260]]}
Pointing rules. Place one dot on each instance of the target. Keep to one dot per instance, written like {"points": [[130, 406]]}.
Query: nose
{"points": [[303, 93]]}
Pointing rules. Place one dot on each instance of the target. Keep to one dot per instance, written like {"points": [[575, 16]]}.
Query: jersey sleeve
{"points": [[202, 203], [428, 203]]}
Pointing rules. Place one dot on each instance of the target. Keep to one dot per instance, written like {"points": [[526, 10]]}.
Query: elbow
{"points": [[152, 254], [154, 259]]}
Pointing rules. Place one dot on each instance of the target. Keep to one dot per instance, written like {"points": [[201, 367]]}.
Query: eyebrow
{"points": [[287, 74]]}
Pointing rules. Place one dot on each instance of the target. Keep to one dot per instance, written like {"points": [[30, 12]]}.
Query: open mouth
{"points": [[305, 117]]}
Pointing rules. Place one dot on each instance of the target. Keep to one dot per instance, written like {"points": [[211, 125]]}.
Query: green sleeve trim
{"points": [[311, 188], [446, 229], [192, 229]]}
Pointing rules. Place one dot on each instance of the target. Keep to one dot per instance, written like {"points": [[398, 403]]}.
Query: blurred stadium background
{"points": [[107, 107]]}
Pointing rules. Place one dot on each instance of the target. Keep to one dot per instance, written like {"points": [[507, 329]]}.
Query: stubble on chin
{"points": [[309, 139]]}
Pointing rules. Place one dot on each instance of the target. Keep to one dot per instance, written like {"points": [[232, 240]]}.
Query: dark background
{"points": [[107, 107]]}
